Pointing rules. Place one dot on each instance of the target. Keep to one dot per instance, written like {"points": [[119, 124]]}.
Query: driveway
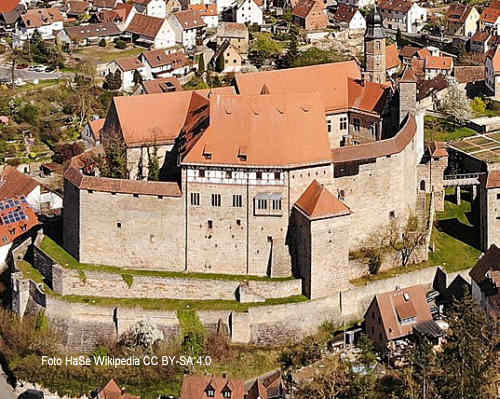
{"points": [[26, 75]]}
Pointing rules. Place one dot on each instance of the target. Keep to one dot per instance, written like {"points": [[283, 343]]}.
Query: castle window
{"points": [[261, 204], [422, 185], [277, 176], [237, 201], [341, 195], [343, 123], [357, 124], [201, 173], [229, 174], [498, 196], [119, 225], [276, 204], [259, 175], [195, 199], [210, 224], [329, 124], [210, 391], [216, 200], [226, 393], [392, 214], [238, 222]]}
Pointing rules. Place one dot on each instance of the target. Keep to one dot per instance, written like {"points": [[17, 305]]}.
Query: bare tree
{"points": [[405, 238], [456, 104]]}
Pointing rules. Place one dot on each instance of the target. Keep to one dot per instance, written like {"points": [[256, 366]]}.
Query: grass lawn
{"points": [[41, 85], [442, 130], [29, 272], [454, 238], [106, 54], [66, 260]]}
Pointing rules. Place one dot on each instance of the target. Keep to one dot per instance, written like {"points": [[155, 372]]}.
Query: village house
{"points": [[46, 21], [357, 3], [485, 280], [17, 218], [350, 17], [188, 27], [481, 42], [160, 85], [237, 34], [208, 14], [396, 314], [165, 63], [392, 60], [492, 66], [490, 18], [403, 15], [226, 58], [151, 31], [85, 35], [408, 53], [462, 20], [99, 5], [91, 133], [201, 387], [247, 12], [76, 9], [310, 15], [113, 391], [268, 386], [173, 6], [129, 68], [16, 184], [435, 65], [151, 8], [10, 12]]}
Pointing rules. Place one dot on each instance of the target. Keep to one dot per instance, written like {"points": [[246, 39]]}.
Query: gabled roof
{"points": [[317, 202], [158, 58], [480, 36], [108, 16], [195, 387], [104, 3], [469, 73], [16, 218], [493, 179], [330, 80], [494, 55], [11, 17], [205, 10], [129, 64], [146, 26], [344, 13], [490, 15], [426, 87], [91, 30], [123, 10], [458, 12], [8, 5], [407, 303], [14, 183], [490, 261], [402, 6], [408, 51], [272, 130], [417, 66], [232, 29], [437, 149], [408, 75], [35, 18], [162, 85], [189, 19], [433, 62], [76, 7], [304, 7], [113, 391], [392, 56], [96, 126]]}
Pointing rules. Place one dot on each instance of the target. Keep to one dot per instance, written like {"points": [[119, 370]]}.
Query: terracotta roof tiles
{"points": [[494, 54], [205, 10], [317, 202], [157, 58], [493, 179], [392, 56], [16, 218], [472, 73], [490, 261], [146, 26], [458, 12], [395, 5], [480, 36], [8, 5], [14, 183], [162, 85], [96, 126], [433, 62], [80, 32], [77, 7], [189, 19], [129, 63], [232, 29], [490, 15], [303, 8], [35, 18], [195, 387], [344, 13]]}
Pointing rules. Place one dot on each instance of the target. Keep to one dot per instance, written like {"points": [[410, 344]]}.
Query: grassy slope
{"points": [[442, 130]]}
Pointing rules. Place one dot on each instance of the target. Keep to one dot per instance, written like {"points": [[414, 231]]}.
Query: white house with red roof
{"points": [[402, 14], [188, 26], [151, 31], [151, 8], [47, 21], [208, 13], [128, 68], [492, 66], [248, 11]]}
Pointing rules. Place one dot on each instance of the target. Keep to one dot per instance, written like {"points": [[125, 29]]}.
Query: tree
{"points": [[292, 50], [263, 47], [120, 44], [478, 106], [399, 38], [114, 162], [153, 164], [201, 65], [102, 43], [456, 104], [406, 238]]}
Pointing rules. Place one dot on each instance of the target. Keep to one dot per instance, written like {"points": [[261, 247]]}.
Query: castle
{"points": [[283, 174]]}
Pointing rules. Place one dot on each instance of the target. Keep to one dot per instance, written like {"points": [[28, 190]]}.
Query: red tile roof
{"points": [[35, 18], [458, 12], [480, 36], [432, 62], [8, 6], [205, 10], [493, 179], [408, 51], [317, 202], [77, 7], [16, 218], [438, 149], [472, 73], [303, 8], [189, 19], [14, 183], [408, 75], [108, 16], [232, 29], [129, 63], [113, 391], [417, 66], [283, 130], [344, 13], [96, 126], [80, 32], [123, 10], [377, 149], [494, 55], [393, 307], [145, 26], [158, 58], [104, 3], [195, 387], [395, 5], [490, 261], [392, 56], [490, 15], [162, 85]]}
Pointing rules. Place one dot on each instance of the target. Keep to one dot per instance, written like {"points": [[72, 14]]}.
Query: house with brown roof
{"points": [[160, 85], [189, 28], [247, 11], [151, 32], [358, 3], [76, 8], [91, 134], [237, 34], [17, 219], [310, 15], [208, 13], [85, 35], [350, 17], [130, 69], [481, 42], [404, 15], [392, 60], [165, 63], [485, 280], [435, 65], [151, 8], [462, 20], [396, 314], [206, 387], [47, 21], [490, 18], [8, 19], [492, 68], [226, 58], [113, 391], [99, 5], [123, 15]]}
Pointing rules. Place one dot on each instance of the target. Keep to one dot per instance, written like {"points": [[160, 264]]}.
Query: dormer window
{"points": [[226, 393], [210, 391]]}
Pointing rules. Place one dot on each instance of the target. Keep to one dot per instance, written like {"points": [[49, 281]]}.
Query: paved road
{"points": [[5, 389], [26, 75]]}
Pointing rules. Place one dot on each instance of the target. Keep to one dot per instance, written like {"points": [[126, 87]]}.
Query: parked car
{"points": [[21, 66], [19, 82]]}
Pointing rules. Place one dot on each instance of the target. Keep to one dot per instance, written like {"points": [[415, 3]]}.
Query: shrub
{"points": [[120, 44], [102, 43], [478, 106]]}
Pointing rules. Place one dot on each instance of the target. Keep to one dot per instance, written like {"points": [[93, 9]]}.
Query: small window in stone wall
{"points": [[392, 214], [216, 201], [195, 199], [119, 225], [237, 201], [498, 196], [210, 224]]}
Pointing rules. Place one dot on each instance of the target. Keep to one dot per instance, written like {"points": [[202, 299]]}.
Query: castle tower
{"points": [[374, 49]]}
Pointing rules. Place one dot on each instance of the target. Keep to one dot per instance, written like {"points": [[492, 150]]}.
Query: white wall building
{"points": [[248, 11], [127, 67], [151, 8], [188, 26], [47, 21]]}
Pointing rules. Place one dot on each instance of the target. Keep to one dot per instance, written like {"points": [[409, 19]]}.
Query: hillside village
{"points": [[249, 199]]}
